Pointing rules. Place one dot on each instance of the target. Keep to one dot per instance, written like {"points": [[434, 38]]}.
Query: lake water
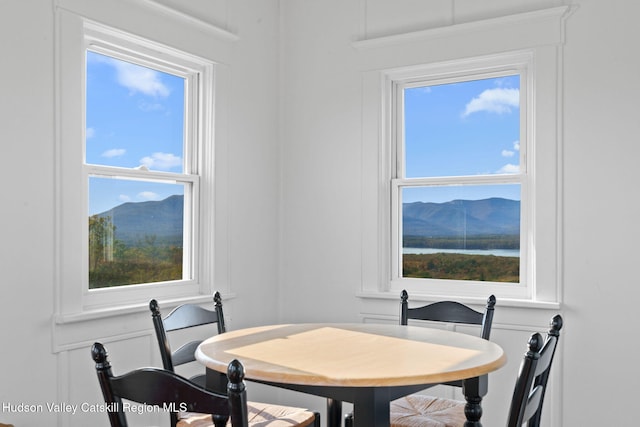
{"points": [[496, 252]]}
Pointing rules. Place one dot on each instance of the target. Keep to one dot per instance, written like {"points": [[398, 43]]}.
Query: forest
{"points": [[461, 267], [112, 263], [149, 259]]}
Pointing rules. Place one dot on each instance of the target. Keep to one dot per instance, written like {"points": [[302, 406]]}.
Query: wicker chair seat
{"points": [[427, 411], [260, 415]]}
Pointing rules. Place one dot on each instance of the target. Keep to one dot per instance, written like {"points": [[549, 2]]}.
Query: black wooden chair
{"points": [[183, 317], [418, 409], [165, 389], [530, 388], [531, 385]]}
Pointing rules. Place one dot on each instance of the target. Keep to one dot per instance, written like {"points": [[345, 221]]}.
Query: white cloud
{"points": [[161, 161], [140, 79], [150, 106], [124, 198], [509, 168], [499, 101], [516, 145], [114, 152], [90, 133], [508, 153], [148, 195]]}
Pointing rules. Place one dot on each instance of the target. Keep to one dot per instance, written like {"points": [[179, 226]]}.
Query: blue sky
{"points": [[134, 118], [458, 129]]}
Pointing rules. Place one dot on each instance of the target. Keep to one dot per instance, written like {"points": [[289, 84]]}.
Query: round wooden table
{"points": [[366, 364]]}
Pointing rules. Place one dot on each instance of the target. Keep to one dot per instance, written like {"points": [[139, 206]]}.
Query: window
{"points": [[136, 173], [141, 180], [458, 177], [141, 170], [457, 120]]}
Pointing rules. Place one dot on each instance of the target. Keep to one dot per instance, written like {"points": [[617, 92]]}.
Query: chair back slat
{"points": [[188, 316], [159, 387], [446, 311], [533, 402], [546, 356], [186, 353]]}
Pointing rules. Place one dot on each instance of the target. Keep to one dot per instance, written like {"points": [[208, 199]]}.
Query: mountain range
{"points": [[493, 216], [137, 221]]}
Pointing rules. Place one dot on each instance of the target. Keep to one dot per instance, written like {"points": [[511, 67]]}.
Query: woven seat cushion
{"points": [[260, 415], [427, 411]]}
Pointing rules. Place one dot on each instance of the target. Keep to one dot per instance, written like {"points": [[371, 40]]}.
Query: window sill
{"points": [[503, 302], [102, 313]]}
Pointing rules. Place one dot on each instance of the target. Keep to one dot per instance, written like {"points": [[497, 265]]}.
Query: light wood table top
{"points": [[352, 355]]}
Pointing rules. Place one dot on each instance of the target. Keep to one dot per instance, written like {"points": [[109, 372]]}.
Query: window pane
{"points": [[465, 128], [134, 115], [461, 232], [136, 232]]}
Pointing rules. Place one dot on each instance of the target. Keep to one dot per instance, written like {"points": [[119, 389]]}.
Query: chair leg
{"points": [[334, 413], [348, 420], [316, 421]]}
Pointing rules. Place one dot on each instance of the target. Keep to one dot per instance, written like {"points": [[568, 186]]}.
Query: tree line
{"points": [[454, 266], [484, 242], [113, 263]]}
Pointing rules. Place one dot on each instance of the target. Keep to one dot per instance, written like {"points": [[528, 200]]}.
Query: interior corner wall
{"points": [[35, 369], [322, 188], [28, 370]]}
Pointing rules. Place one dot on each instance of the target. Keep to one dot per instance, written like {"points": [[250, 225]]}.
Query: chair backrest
{"points": [[531, 385], [449, 312], [170, 392], [182, 317]]}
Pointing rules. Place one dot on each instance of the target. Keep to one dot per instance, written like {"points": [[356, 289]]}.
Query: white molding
{"points": [[469, 300], [65, 348], [213, 29], [63, 385], [554, 14], [77, 7], [119, 310]]}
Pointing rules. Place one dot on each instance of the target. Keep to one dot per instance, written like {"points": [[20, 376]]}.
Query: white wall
{"points": [[601, 213], [294, 158], [27, 367]]}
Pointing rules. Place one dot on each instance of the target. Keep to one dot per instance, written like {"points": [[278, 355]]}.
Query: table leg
{"points": [[473, 412], [474, 389], [334, 413], [371, 408], [216, 381]]}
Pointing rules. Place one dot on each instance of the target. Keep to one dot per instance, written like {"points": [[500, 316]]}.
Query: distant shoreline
{"points": [[496, 252]]}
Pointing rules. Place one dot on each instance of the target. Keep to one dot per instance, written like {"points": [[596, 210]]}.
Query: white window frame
{"points": [[530, 43], [74, 300], [444, 73]]}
